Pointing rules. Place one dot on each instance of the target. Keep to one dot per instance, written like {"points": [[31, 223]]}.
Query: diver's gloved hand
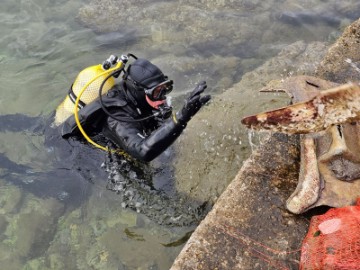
{"points": [[193, 103]]}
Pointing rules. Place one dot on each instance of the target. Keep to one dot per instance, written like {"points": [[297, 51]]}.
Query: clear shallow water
{"points": [[42, 48]]}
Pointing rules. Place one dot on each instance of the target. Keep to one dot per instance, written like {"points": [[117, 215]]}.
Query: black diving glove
{"points": [[193, 103]]}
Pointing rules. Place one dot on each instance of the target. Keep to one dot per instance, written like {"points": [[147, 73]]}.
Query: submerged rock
{"points": [[213, 33], [27, 231], [103, 235]]}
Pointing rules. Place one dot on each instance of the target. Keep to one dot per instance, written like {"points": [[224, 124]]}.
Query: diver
{"points": [[133, 117], [135, 113]]}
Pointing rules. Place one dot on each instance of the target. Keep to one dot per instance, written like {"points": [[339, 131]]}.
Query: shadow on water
{"points": [[114, 40], [68, 175]]}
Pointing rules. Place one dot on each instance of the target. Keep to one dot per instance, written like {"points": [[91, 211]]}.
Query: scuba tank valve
{"points": [[108, 63], [113, 59]]}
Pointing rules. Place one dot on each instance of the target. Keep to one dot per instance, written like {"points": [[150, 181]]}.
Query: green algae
{"points": [[10, 198]]}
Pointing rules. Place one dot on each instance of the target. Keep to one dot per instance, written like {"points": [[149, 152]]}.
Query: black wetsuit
{"points": [[143, 140]]}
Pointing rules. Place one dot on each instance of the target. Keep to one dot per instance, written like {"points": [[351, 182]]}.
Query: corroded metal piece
{"points": [[330, 141], [329, 107]]}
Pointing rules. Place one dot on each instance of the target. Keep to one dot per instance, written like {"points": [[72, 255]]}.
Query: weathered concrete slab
{"points": [[252, 211]]}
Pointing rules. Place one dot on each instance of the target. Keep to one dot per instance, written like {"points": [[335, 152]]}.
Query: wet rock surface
{"points": [[342, 62]]}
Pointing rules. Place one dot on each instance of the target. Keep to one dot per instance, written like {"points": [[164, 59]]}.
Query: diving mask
{"points": [[159, 91]]}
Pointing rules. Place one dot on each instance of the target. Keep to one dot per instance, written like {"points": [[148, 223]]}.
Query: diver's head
{"points": [[147, 84]]}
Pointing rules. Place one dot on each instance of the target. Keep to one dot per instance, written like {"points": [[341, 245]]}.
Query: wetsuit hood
{"points": [[141, 75]]}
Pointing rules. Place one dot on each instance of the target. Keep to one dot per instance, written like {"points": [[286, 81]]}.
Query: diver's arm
{"points": [[128, 136]]}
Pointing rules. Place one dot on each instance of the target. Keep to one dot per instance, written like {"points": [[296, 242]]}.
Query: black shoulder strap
{"points": [[91, 114], [73, 98]]}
